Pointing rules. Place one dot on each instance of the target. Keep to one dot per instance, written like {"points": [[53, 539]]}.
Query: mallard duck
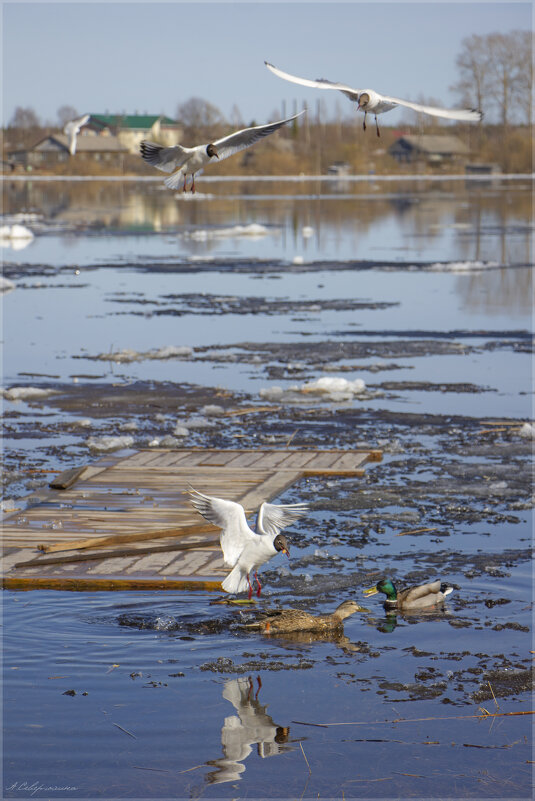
{"points": [[299, 620], [418, 597]]}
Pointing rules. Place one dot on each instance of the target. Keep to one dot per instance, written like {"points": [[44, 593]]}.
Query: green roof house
{"points": [[130, 129]]}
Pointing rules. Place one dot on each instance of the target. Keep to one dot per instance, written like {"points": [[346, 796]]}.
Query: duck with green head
{"points": [[417, 597]]}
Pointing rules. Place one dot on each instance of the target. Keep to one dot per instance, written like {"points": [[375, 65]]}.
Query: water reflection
{"points": [[249, 727], [473, 221]]}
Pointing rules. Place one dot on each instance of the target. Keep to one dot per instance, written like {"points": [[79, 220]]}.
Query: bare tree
{"points": [[66, 113], [495, 71], [473, 63], [201, 120], [522, 42], [24, 118]]}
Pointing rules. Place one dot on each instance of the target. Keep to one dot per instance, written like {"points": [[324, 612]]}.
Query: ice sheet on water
{"points": [[330, 388], [128, 355], [26, 393], [463, 266], [253, 230], [6, 285], [110, 443], [527, 431]]}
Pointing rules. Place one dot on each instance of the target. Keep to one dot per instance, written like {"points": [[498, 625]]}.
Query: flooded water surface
{"points": [[394, 315]]}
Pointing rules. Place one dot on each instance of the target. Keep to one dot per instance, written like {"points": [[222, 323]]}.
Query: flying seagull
{"points": [[372, 102], [243, 549], [72, 129], [181, 161]]}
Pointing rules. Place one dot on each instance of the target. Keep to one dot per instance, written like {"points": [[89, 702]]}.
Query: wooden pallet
{"points": [[125, 522]]}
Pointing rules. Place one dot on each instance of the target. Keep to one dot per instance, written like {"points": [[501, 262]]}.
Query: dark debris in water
{"points": [[226, 665]]}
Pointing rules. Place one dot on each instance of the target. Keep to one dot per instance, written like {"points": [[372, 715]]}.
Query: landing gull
{"points": [[243, 549]]}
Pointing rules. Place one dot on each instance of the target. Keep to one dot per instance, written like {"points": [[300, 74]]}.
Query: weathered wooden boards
{"points": [[126, 522]]}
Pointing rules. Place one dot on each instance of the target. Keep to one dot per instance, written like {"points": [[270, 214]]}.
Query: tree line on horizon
{"points": [[495, 75]]}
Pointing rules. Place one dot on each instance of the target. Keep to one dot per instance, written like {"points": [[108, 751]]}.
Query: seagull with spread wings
{"points": [[244, 550], [372, 102], [183, 161], [72, 129]]}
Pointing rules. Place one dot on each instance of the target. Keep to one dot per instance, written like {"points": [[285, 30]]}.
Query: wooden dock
{"points": [[125, 522]]}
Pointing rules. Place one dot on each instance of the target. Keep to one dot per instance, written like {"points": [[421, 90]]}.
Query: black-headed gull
{"points": [[251, 726], [72, 128], [372, 102], [244, 550], [184, 161]]}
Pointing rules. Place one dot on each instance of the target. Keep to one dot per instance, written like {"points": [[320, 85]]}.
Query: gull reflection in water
{"points": [[251, 726]]}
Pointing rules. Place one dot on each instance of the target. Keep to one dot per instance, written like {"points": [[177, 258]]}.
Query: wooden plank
{"points": [[349, 461], [297, 460], [191, 562], [99, 583], [117, 539], [274, 485], [82, 557], [67, 478]]}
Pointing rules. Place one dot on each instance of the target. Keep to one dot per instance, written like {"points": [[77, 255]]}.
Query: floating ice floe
{"points": [[109, 443], [82, 422], [26, 393], [463, 266], [212, 410], [6, 285], [128, 355], [164, 442], [253, 230], [527, 431], [332, 385], [15, 236], [325, 388]]}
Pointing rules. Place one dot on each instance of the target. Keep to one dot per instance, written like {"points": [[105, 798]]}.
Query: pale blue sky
{"points": [[150, 57]]}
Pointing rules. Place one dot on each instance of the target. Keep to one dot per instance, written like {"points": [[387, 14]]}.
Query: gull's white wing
{"points": [[272, 517], [166, 159], [464, 114], [230, 518], [73, 126], [239, 140], [319, 83]]}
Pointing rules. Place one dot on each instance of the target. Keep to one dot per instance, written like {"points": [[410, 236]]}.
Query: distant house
{"points": [[432, 149], [340, 168], [130, 129], [54, 150]]}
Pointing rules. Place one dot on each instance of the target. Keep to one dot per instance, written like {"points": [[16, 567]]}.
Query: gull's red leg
{"points": [[377, 126], [364, 122], [193, 182], [259, 680], [259, 586], [184, 187]]}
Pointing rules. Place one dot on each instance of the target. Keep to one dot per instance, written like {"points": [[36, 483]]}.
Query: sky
{"points": [[129, 57]]}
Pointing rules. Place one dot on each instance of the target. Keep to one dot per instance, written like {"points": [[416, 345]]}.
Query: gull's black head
{"points": [[280, 543], [364, 99], [211, 150]]}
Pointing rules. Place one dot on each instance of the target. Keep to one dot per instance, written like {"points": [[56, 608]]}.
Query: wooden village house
{"points": [[434, 150], [53, 150]]}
